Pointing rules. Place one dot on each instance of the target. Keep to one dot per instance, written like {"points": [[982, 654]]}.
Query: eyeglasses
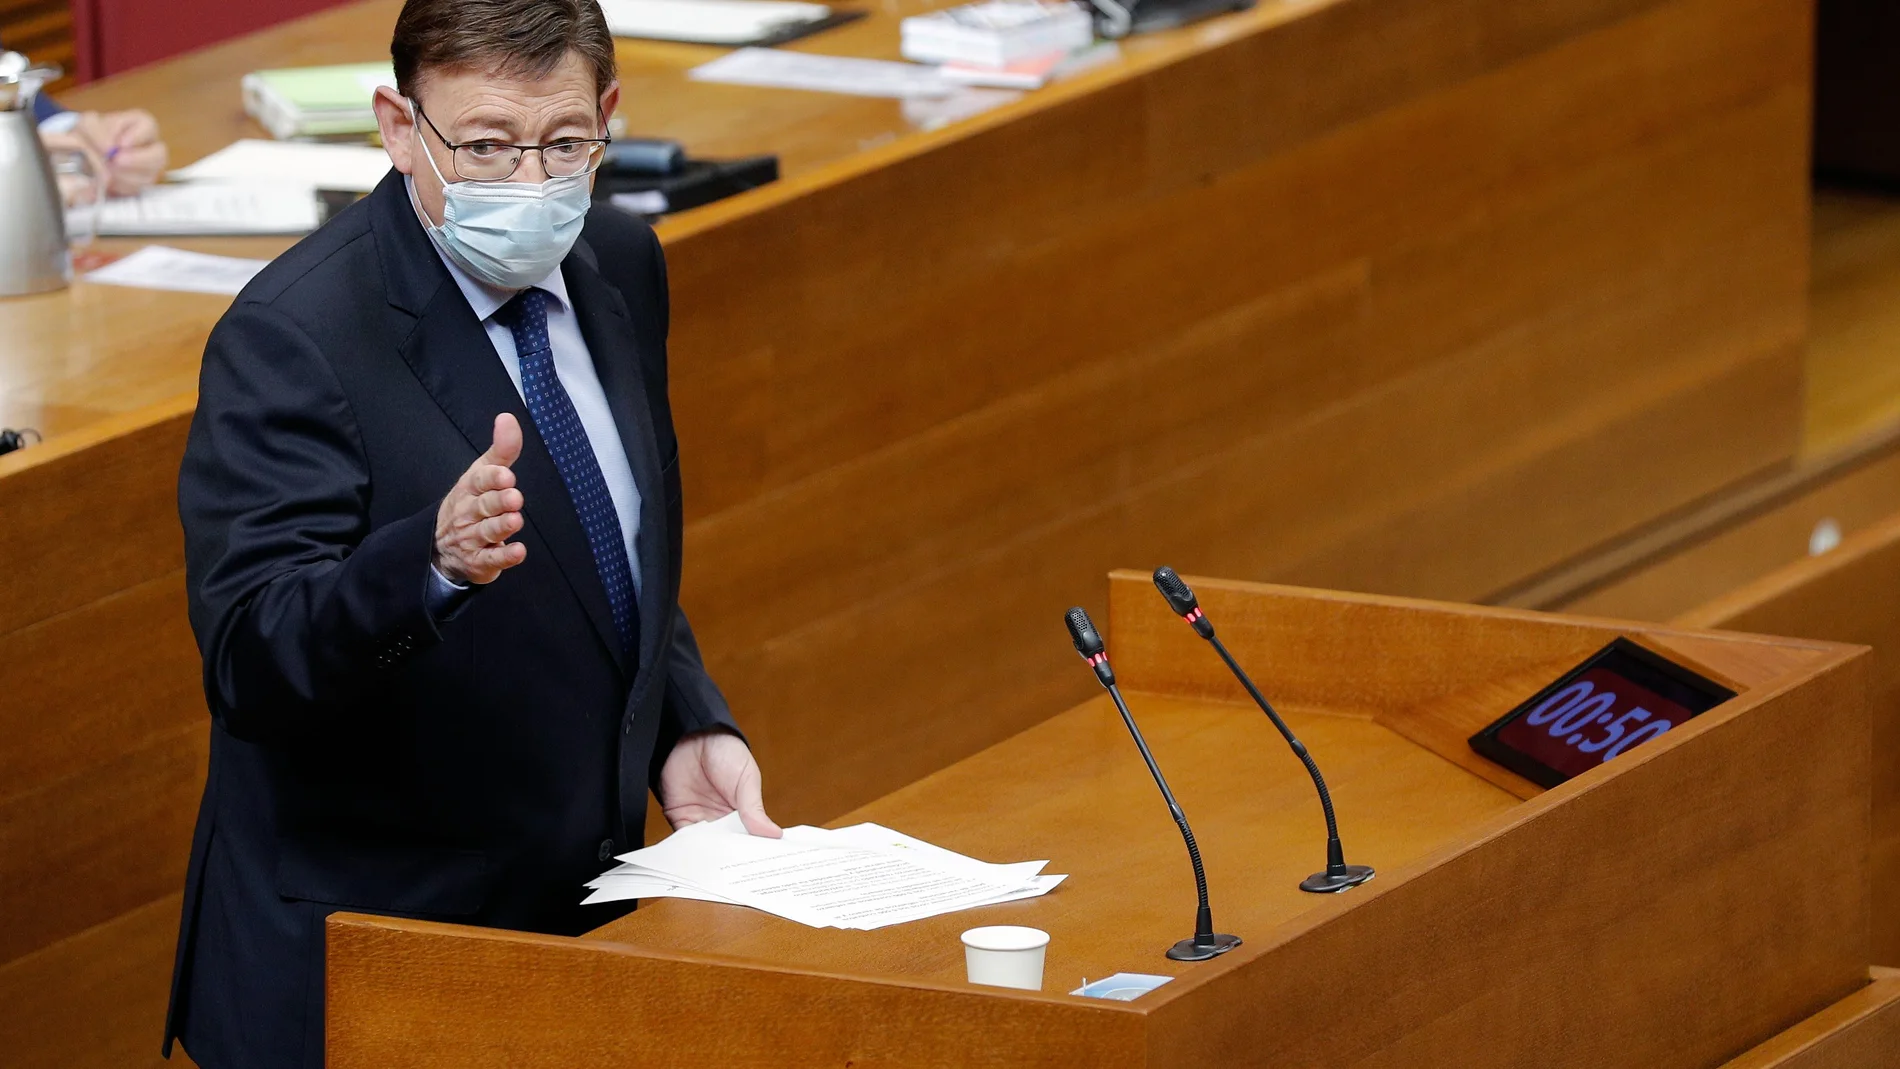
{"points": [[496, 161]]}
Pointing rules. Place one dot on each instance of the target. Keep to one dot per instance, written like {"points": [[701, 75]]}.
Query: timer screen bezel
{"points": [[1624, 659]]}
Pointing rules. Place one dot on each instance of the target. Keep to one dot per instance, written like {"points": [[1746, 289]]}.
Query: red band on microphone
{"points": [[1097, 659], [1193, 616]]}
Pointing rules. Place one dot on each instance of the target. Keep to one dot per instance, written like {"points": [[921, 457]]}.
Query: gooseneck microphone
{"points": [[1205, 942], [1338, 875]]}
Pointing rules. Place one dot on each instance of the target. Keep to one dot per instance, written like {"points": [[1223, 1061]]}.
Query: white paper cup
{"points": [[1005, 955]]}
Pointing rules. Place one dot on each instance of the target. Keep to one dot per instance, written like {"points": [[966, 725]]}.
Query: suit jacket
{"points": [[363, 757]]}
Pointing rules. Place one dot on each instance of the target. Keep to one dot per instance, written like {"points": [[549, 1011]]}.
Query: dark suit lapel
{"points": [[451, 355], [610, 339]]}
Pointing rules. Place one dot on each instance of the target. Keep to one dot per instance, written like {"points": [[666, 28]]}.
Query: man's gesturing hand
{"points": [[710, 774], [478, 517]]}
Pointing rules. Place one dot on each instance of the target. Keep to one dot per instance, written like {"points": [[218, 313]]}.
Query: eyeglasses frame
{"points": [[600, 155]]}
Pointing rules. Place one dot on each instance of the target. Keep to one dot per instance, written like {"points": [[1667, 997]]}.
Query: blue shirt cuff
{"points": [[444, 597], [45, 107]]}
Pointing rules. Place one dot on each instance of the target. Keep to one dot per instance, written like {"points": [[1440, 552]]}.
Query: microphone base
{"points": [[1326, 883], [1189, 950]]}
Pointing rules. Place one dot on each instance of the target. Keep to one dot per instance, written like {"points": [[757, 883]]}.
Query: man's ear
{"points": [[609, 102], [397, 127]]}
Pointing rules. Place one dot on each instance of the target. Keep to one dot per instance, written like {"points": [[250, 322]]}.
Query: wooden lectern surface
{"points": [[1674, 909], [1130, 892]]}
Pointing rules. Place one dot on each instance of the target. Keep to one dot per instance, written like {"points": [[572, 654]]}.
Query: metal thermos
{"points": [[33, 254]]}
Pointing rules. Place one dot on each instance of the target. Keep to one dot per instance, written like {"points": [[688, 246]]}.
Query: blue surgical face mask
{"points": [[510, 235]]}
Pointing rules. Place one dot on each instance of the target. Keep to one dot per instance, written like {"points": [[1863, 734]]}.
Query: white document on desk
{"points": [[710, 22], [863, 877], [347, 168], [203, 209], [771, 68], [156, 267]]}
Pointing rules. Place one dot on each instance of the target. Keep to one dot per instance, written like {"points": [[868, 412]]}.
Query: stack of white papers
{"points": [[711, 22], [862, 877], [774, 69], [347, 168], [156, 267], [203, 208], [996, 33]]}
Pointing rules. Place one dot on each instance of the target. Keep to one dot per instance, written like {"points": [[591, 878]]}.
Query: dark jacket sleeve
{"points": [[693, 701], [45, 107], [295, 601]]}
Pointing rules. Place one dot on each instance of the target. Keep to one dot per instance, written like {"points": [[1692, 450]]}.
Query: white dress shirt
{"points": [[574, 366]]}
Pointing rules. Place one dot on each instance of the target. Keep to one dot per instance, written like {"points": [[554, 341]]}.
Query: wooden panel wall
{"points": [[1862, 1031], [1401, 296], [1697, 566], [1752, 572], [106, 742], [1848, 595], [1407, 295]]}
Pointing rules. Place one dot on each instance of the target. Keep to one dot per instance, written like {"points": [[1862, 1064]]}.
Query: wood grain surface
{"points": [[1861, 1031], [77, 1003], [1319, 274], [1853, 378], [1724, 558], [1722, 866], [1389, 294], [1847, 595], [106, 741], [1755, 574]]}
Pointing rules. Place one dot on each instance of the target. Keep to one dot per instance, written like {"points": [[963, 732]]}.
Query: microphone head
{"points": [[1180, 598], [1082, 632]]}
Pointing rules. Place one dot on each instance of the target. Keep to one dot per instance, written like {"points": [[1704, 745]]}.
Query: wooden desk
{"points": [[1862, 1031], [1407, 295], [1754, 573], [1317, 292], [1570, 928]]}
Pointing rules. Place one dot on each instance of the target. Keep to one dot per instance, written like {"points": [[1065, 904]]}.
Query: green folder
{"points": [[316, 101]]}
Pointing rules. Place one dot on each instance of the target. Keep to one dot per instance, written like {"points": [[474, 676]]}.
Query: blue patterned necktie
{"points": [[526, 316]]}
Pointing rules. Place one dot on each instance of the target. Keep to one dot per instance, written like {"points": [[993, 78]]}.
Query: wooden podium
{"points": [[1674, 908]]}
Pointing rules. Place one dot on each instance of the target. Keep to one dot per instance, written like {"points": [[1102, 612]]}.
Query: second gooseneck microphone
{"points": [[1205, 942], [1338, 875]]}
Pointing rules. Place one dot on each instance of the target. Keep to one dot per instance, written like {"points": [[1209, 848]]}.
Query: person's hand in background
{"points": [[129, 144], [122, 151], [75, 188]]}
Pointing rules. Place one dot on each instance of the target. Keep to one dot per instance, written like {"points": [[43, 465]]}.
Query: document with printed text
{"points": [[862, 877], [156, 267]]}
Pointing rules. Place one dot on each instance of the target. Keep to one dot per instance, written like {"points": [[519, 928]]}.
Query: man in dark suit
{"points": [[431, 501]]}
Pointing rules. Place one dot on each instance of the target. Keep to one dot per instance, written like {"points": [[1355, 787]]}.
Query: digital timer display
{"points": [[1620, 698]]}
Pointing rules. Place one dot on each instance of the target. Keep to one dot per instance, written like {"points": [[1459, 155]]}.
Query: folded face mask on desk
{"points": [[510, 235]]}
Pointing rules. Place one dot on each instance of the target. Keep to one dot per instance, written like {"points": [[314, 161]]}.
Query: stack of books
{"points": [[1008, 43], [316, 101]]}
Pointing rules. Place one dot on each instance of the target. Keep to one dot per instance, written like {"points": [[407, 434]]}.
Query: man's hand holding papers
{"points": [[862, 877]]}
